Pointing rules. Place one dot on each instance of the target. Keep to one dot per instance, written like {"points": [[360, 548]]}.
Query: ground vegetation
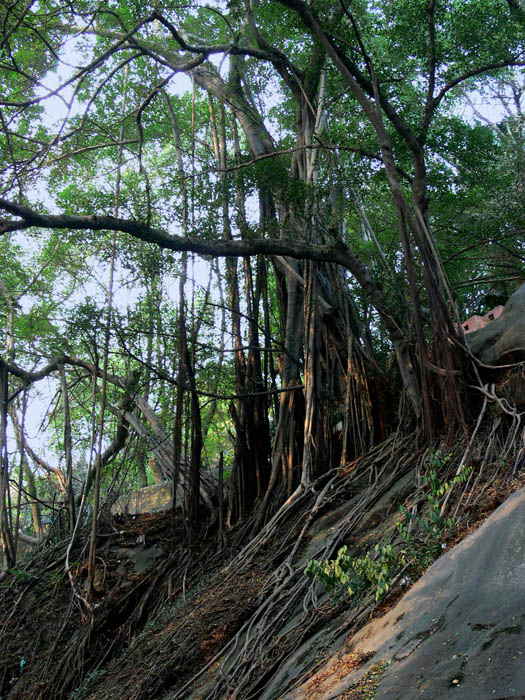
{"points": [[238, 241]]}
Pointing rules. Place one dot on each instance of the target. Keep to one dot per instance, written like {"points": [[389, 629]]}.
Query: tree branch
{"points": [[94, 147], [83, 71], [161, 374], [476, 71], [31, 377], [336, 252], [310, 146], [269, 53]]}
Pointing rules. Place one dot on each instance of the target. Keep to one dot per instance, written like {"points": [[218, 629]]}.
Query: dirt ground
{"points": [[161, 614]]}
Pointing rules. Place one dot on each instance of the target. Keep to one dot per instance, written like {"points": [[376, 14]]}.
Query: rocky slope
{"points": [[242, 620]]}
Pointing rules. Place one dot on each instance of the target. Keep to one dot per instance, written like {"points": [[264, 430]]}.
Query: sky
{"points": [[55, 112]]}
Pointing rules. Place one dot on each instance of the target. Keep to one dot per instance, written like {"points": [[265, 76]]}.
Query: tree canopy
{"points": [[247, 230]]}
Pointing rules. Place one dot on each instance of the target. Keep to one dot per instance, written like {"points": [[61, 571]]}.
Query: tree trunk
{"points": [[6, 535], [68, 449]]}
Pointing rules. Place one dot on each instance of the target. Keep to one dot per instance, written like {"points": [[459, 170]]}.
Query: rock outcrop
{"points": [[503, 340], [459, 631]]}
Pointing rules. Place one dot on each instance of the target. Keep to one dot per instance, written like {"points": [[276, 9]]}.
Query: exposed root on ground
{"points": [[195, 626]]}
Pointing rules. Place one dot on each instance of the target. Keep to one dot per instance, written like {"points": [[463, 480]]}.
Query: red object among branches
{"points": [[474, 323]]}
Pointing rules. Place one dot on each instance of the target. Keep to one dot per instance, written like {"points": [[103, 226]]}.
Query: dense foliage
{"points": [[238, 233]]}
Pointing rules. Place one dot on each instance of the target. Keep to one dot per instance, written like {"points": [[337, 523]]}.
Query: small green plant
{"points": [[377, 569], [22, 575], [434, 523], [371, 681], [355, 575], [436, 459]]}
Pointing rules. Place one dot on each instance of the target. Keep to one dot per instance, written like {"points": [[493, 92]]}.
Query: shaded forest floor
{"points": [[238, 621]]}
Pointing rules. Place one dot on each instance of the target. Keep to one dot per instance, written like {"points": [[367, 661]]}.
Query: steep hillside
{"points": [[244, 621], [459, 627]]}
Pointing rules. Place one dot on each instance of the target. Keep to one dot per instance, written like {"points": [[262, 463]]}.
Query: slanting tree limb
{"points": [[518, 60], [118, 442], [336, 252], [319, 145], [58, 477], [30, 377], [26, 375]]}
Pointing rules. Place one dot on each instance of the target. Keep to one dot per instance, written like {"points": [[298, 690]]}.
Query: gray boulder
{"points": [[457, 634], [503, 340]]}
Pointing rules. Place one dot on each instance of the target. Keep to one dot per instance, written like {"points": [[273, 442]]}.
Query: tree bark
{"points": [[68, 450], [6, 535]]}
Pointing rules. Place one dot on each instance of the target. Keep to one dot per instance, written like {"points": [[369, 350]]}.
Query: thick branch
{"points": [[265, 53], [24, 445], [335, 253], [31, 377]]}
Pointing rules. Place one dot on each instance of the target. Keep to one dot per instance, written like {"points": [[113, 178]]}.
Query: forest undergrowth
{"points": [[223, 621], [244, 251]]}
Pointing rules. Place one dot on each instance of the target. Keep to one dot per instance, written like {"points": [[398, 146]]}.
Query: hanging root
{"points": [[233, 630], [253, 658], [260, 647]]}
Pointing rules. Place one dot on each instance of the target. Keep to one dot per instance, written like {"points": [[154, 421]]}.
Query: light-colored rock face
{"points": [[156, 498], [150, 499], [460, 631], [502, 340]]}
